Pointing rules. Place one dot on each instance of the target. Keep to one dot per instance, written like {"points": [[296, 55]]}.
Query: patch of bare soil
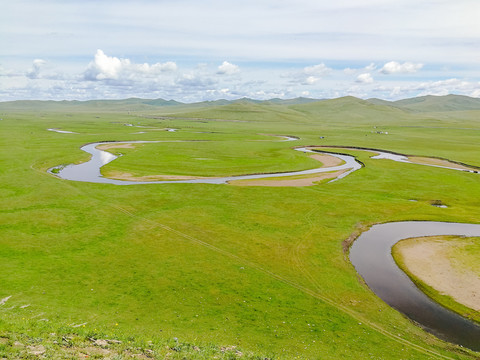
{"points": [[438, 162], [304, 181], [327, 160], [130, 177], [427, 259], [116, 146]]}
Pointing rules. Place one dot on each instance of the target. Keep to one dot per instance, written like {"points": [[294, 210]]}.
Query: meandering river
{"points": [[370, 253], [90, 170]]}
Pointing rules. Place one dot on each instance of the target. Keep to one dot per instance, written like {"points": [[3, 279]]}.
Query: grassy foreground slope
{"points": [[216, 266]]}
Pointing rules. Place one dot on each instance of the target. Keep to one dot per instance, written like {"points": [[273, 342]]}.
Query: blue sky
{"points": [[203, 50]]}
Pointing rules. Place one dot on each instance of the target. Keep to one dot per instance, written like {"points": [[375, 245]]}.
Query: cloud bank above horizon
{"points": [[193, 51]]}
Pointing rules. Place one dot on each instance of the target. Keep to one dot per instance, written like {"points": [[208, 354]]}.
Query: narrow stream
{"points": [[371, 256], [90, 170]]}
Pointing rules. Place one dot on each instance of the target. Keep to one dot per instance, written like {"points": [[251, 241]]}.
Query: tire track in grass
{"points": [[296, 252], [359, 317]]}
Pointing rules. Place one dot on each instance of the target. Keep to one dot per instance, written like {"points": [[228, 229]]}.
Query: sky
{"points": [[190, 50]]}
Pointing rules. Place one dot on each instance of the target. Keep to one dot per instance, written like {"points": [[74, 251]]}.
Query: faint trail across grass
{"points": [[329, 301]]}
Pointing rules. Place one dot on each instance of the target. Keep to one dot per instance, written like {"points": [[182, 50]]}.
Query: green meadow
{"points": [[198, 271]]}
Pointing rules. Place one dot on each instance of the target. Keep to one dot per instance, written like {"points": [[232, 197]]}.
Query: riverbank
{"points": [[333, 165], [431, 264], [371, 255]]}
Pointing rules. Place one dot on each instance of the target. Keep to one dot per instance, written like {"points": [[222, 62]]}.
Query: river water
{"points": [[370, 253], [90, 170], [371, 256]]}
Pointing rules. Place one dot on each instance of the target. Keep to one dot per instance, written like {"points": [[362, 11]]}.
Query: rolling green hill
{"points": [[432, 103]]}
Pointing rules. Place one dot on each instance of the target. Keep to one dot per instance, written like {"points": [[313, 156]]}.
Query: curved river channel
{"points": [[90, 170], [371, 255]]}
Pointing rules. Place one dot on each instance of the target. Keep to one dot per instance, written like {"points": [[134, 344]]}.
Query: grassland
{"points": [[216, 266]]}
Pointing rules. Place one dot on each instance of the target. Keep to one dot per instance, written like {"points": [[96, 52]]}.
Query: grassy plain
{"points": [[216, 266]]}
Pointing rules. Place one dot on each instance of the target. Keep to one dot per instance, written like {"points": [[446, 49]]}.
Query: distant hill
{"points": [[295, 101], [432, 103], [132, 104], [376, 101], [344, 104], [427, 103]]}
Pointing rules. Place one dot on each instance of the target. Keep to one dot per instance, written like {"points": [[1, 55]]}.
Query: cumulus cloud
{"points": [[311, 80], [34, 72], [105, 67], [352, 71], [194, 80], [317, 70], [439, 88], [475, 93], [365, 78], [228, 69], [394, 67], [445, 87], [309, 75]]}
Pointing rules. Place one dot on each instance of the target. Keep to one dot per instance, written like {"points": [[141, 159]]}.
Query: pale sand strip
{"points": [[308, 180], [327, 160], [116, 146], [438, 162], [118, 175], [427, 259]]}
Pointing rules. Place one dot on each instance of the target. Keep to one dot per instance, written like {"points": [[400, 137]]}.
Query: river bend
{"points": [[371, 256], [90, 170]]}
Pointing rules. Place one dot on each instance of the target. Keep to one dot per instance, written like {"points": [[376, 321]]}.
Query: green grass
{"points": [[210, 158], [216, 266]]}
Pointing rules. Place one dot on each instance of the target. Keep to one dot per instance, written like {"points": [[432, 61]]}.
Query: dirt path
{"points": [[428, 260]]}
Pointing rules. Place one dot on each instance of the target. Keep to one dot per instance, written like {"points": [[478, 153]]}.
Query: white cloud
{"points": [[441, 87], [309, 75], [353, 71], [105, 67], [34, 72], [194, 80], [475, 93], [227, 69], [317, 70], [444, 87], [311, 80], [365, 78], [349, 71], [394, 67]]}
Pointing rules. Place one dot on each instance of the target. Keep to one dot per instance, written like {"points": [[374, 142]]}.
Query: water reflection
{"points": [[372, 258]]}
